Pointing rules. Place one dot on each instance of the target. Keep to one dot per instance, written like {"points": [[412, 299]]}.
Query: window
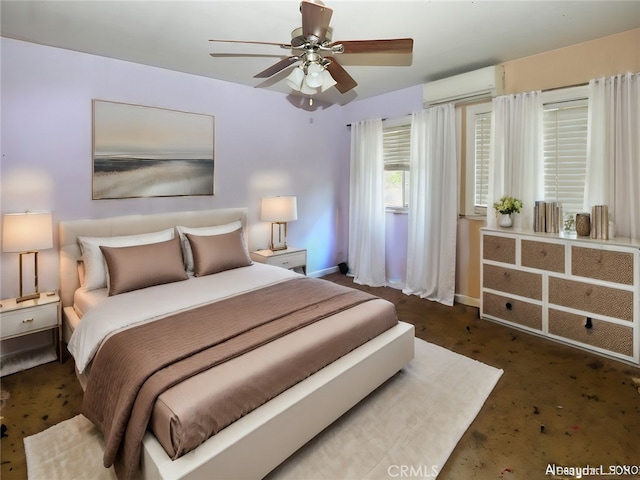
{"points": [[478, 130], [565, 151], [396, 141], [564, 157]]}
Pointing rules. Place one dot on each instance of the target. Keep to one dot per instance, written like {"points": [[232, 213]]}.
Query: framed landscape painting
{"points": [[143, 151]]}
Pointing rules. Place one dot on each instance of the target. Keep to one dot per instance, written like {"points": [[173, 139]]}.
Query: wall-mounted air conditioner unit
{"points": [[467, 87]]}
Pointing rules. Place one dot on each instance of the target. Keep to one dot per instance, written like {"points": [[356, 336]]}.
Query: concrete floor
{"points": [[555, 405]]}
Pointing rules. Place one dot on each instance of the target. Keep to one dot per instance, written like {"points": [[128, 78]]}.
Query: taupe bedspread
{"points": [[133, 367]]}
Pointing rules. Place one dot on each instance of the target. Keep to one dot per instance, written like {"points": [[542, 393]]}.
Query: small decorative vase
{"points": [[569, 225], [505, 220], [583, 224]]}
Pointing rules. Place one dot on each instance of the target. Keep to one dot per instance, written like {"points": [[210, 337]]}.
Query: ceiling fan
{"points": [[314, 50]]}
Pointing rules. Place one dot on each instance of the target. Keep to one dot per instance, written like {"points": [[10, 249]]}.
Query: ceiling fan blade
{"points": [[395, 45], [273, 69], [315, 19], [344, 81], [283, 45]]}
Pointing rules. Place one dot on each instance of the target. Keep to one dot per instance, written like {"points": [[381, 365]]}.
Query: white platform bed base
{"points": [[257, 443]]}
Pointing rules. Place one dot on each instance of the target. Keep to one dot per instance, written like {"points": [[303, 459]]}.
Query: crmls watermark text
{"points": [[413, 471], [590, 470]]}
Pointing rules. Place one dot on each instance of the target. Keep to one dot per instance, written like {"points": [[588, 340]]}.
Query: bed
{"points": [[267, 434]]}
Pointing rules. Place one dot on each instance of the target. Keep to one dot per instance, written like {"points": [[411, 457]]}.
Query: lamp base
{"points": [[31, 296], [279, 229], [36, 294]]}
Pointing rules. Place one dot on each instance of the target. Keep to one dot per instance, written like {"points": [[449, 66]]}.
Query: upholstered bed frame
{"points": [[257, 443]]}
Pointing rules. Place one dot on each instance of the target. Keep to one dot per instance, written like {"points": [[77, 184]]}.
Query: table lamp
{"points": [[279, 211], [27, 233]]}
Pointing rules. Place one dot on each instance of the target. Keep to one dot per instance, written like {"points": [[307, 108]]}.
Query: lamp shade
{"points": [[27, 232], [279, 209]]}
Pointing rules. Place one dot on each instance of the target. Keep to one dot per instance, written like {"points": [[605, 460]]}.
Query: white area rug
{"points": [[412, 424]]}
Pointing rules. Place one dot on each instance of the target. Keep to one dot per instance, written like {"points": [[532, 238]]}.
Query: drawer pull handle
{"points": [[27, 320], [543, 253], [508, 306], [589, 323], [507, 275], [588, 292]]}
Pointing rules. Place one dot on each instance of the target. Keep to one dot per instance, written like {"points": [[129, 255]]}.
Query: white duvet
{"points": [[122, 311]]}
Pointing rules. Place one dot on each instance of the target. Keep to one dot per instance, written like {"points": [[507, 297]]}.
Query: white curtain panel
{"points": [[514, 166], [433, 206], [613, 151], [366, 205]]}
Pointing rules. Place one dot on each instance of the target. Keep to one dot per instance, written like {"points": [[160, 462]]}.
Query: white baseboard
{"points": [[323, 272], [465, 300]]}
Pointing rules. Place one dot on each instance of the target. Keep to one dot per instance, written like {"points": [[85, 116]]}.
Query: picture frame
{"points": [[141, 151]]}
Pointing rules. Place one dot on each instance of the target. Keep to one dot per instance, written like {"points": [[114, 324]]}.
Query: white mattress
{"points": [[85, 300]]}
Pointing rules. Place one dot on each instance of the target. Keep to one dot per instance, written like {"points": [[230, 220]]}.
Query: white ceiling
{"points": [[450, 37]]}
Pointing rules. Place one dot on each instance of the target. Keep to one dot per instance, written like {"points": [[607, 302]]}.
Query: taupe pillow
{"points": [[141, 266], [217, 253]]}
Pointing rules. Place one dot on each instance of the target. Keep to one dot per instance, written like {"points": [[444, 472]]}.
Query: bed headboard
{"points": [[129, 225]]}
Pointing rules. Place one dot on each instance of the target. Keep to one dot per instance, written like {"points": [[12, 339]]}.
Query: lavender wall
{"points": [[390, 105], [264, 146]]}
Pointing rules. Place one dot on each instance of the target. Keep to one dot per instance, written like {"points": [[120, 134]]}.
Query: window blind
{"points": [[565, 153], [396, 143], [482, 136]]}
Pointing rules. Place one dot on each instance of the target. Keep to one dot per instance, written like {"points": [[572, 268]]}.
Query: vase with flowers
{"points": [[507, 206]]}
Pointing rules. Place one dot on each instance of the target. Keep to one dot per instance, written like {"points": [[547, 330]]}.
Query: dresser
{"points": [[577, 291]]}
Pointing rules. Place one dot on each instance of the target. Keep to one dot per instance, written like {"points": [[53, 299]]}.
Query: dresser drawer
{"points": [[513, 281], [602, 264], [27, 320], [499, 249], [542, 255], [293, 260], [516, 311], [591, 298], [602, 334]]}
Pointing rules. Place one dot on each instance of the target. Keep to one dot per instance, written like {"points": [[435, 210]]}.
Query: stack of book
{"points": [[600, 222], [547, 217]]}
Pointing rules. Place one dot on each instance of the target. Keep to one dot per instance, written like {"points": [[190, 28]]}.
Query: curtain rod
{"points": [[349, 125], [387, 118], [544, 90], [566, 86]]}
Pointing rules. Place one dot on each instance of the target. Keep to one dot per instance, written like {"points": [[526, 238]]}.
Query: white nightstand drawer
{"points": [[21, 321], [291, 260]]}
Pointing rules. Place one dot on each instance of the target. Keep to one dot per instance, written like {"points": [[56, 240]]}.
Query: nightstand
{"points": [[291, 258], [26, 318]]}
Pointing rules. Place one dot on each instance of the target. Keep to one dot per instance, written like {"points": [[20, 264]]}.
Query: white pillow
{"points": [[95, 273], [201, 231]]}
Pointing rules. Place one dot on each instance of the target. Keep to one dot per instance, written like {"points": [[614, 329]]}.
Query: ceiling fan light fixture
{"points": [[314, 77], [307, 90], [327, 81], [295, 78]]}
